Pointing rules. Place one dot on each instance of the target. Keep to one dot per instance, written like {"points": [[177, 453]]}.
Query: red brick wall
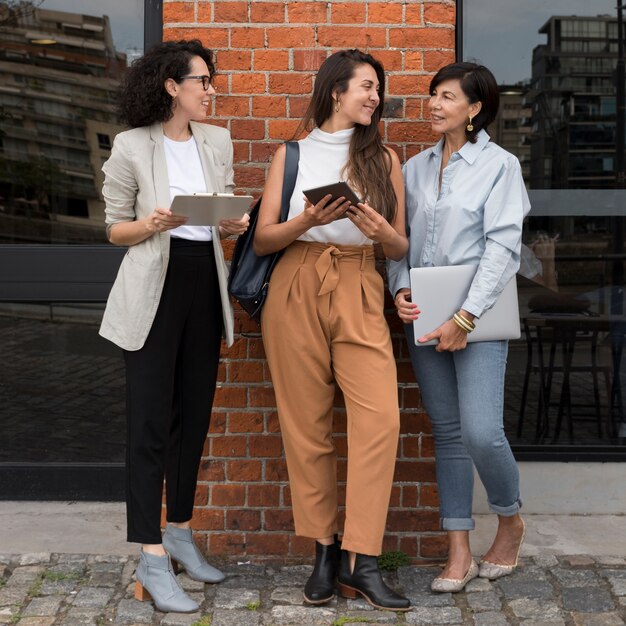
{"points": [[267, 53]]}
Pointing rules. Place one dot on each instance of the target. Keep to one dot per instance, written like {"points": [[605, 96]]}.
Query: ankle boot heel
{"points": [[347, 592], [141, 593]]}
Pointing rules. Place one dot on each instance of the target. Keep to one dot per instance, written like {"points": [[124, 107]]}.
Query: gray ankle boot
{"points": [[156, 580], [179, 543]]}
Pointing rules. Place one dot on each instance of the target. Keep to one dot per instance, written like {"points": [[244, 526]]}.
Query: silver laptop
{"points": [[439, 293]]}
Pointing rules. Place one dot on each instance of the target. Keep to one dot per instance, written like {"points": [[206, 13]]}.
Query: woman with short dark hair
{"points": [[169, 304], [466, 201]]}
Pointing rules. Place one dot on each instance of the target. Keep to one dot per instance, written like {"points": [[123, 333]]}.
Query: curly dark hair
{"points": [[143, 97]]}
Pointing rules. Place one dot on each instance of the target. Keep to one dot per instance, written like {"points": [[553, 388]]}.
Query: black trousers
{"points": [[170, 384]]}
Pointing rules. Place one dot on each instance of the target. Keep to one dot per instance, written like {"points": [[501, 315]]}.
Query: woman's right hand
{"points": [[324, 212], [163, 219], [407, 310]]}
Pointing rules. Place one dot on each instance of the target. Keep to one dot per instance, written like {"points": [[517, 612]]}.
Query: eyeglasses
{"points": [[206, 80]]}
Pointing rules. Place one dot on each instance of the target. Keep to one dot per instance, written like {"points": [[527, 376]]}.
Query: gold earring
{"points": [[470, 126], [337, 106]]}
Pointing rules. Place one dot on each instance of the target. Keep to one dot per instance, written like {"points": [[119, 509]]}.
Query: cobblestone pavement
{"points": [[70, 590]]}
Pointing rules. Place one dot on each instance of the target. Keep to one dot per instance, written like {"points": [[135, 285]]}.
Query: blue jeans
{"points": [[463, 393]]}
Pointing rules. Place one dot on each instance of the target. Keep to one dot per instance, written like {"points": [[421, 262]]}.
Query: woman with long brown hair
{"points": [[323, 322]]}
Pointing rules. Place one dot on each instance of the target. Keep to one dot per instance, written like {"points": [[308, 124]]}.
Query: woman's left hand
{"points": [[371, 223], [451, 337], [234, 227]]}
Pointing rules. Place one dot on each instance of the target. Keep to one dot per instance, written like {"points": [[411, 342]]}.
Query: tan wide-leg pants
{"points": [[323, 321]]}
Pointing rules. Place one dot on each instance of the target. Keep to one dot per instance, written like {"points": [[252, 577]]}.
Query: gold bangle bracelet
{"points": [[461, 325], [464, 319]]}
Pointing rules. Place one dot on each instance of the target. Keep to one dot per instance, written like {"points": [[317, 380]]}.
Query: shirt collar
{"points": [[469, 151]]}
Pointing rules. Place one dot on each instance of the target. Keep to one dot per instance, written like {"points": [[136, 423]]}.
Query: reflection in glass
{"points": [[59, 75], [61, 386], [566, 379]]}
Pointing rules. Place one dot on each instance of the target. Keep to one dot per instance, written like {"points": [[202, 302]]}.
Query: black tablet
{"points": [[336, 190]]}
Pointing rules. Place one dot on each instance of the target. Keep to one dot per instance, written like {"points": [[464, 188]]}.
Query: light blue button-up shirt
{"points": [[475, 218]]}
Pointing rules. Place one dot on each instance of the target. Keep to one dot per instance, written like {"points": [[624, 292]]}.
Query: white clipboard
{"points": [[209, 209]]}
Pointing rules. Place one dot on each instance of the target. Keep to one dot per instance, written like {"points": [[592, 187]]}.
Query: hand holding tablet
{"points": [[336, 190]]}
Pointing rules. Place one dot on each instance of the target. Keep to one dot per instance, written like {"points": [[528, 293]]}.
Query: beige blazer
{"points": [[136, 183]]}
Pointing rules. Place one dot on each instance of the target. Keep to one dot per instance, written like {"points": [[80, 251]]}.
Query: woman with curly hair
{"points": [[169, 305]]}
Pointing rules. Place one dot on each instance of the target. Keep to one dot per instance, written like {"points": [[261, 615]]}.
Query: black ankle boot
{"points": [[320, 587], [367, 581]]}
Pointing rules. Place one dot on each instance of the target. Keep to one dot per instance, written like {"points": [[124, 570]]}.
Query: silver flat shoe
{"points": [[493, 571], [454, 585], [180, 545], [156, 580]]}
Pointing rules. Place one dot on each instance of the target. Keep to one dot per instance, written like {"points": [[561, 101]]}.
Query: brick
{"points": [[298, 106], [352, 37], [205, 12], [218, 423], [241, 154], [230, 12], [247, 83], [429, 495], [226, 543], [434, 60], [413, 108], [211, 470], [269, 106], [310, 60], [243, 470], [267, 12], [415, 471], [255, 344], [410, 447], [178, 12], [395, 496], [433, 546], [245, 422], [207, 519], [414, 60], [384, 13], [349, 12], [439, 13], [411, 85], [211, 37], [263, 495], [292, 37], [413, 521], [262, 152], [230, 397], [229, 60], [276, 470], [278, 520], [409, 545], [409, 496], [391, 59], [265, 445], [228, 495], [243, 520], [421, 38], [262, 396], [427, 448], [228, 446], [413, 16], [272, 424], [249, 178], [301, 546], [410, 131], [306, 12], [271, 60], [201, 497], [247, 37], [246, 129], [267, 544]]}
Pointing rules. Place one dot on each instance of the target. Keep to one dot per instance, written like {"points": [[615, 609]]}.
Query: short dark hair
{"points": [[143, 97], [479, 85]]}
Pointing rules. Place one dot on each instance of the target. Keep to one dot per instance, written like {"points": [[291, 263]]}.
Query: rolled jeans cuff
{"points": [[507, 511], [457, 523]]}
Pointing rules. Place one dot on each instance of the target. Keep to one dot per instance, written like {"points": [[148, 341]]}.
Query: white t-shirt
{"points": [[322, 158], [184, 170]]}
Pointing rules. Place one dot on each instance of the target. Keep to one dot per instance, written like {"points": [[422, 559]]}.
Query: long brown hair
{"points": [[369, 162]]}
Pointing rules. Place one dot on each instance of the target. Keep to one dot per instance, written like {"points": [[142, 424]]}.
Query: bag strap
{"points": [[292, 158]]}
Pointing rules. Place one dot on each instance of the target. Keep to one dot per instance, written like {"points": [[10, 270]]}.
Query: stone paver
{"points": [[76, 590]]}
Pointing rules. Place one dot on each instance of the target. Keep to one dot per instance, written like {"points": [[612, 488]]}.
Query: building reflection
{"points": [[566, 381], [59, 76]]}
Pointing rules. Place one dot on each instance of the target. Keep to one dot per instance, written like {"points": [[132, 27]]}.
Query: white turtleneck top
{"points": [[322, 159]]}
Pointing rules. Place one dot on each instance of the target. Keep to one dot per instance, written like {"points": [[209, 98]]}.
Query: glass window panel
{"points": [[61, 386], [51, 106], [566, 378]]}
